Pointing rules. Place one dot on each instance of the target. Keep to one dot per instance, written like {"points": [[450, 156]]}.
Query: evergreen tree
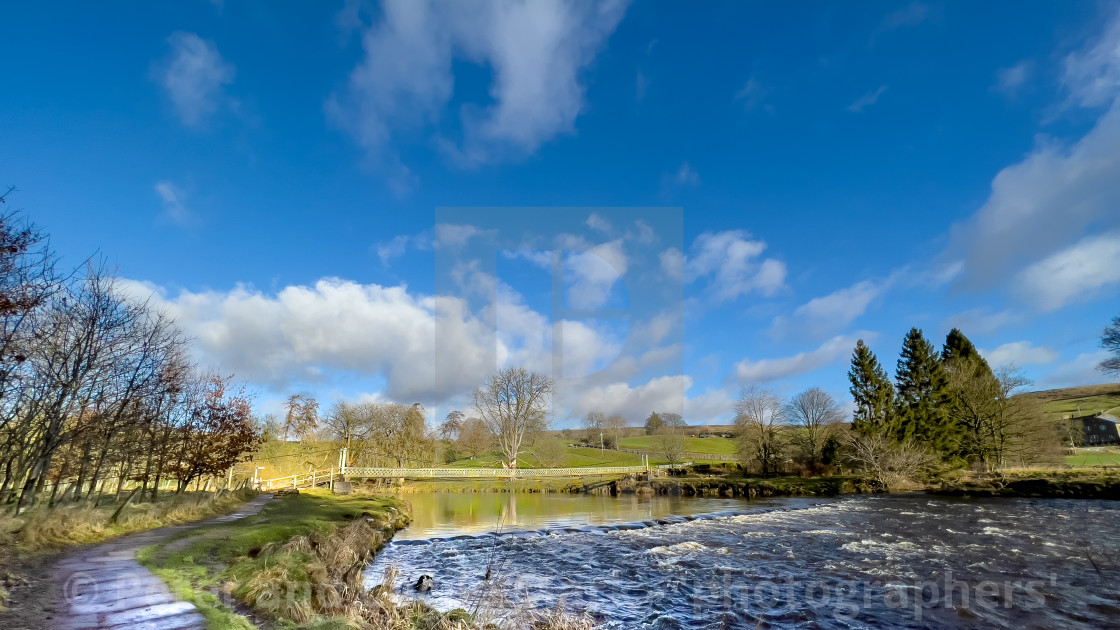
{"points": [[924, 396], [957, 345], [872, 391], [978, 400]]}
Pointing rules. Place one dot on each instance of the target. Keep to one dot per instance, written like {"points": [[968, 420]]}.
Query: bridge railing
{"points": [[496, 473], [299, 480]]}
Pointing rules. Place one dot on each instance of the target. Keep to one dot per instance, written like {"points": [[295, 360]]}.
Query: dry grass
{"points": [[43, 528]]}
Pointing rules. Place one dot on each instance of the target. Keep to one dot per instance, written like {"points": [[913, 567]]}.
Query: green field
{"points": [[708, 446], [1094, 459], [571, 456]]}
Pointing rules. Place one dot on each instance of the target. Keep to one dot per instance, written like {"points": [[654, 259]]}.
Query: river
{"points": [[850, 562]]}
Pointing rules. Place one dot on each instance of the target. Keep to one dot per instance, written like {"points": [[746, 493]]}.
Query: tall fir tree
{"points": [[977, 403], [924, 396], [872, 391]]}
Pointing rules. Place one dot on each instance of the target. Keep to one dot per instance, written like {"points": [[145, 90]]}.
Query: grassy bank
{"points": [[1085, 483], [69, 525], [289, 563]]}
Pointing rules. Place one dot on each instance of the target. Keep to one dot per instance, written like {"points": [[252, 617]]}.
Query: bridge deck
{"points": [[488, 473]]}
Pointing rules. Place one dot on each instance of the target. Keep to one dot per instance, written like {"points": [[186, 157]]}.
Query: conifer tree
{"points": [[924, 396], [872, 391], [978, 405], [957, 345]]}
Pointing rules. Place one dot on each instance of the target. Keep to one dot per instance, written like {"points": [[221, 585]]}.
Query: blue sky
{"points": [[657, 202]]}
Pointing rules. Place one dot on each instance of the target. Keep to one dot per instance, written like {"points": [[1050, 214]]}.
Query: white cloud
{"points": [[765, 370], [1042, 205], [193, 76], [591, 275], [730, 262], [867, 100], [454, 236], [1077, 273], [1055, 197], [598, 223], [832, 312], [664, 393], [174, 202], [394, 248], [1092, 75], [1019, 353], [536, 52], [307, 333]]}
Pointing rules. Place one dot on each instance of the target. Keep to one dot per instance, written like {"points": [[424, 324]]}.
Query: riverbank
{"points": [[295, 562], [1054, 483]]}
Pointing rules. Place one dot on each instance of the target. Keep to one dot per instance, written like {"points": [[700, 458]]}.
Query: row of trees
{"points": [[97, 387], [771, 432], [951, 402]]}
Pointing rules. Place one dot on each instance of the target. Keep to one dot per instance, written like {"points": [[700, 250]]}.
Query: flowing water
{"points": [[852, 562]]}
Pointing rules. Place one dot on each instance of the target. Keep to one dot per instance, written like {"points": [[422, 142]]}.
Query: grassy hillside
{"points": [[712, 445], [1058, 403]]}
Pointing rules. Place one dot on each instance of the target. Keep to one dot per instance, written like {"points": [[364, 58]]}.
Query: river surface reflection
{"points": [[451, 514]]}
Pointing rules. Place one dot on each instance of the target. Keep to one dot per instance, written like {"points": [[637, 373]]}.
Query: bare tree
{"points": [[514, 404], [758, 426], [348, 422], [669, 438], [817, 415], [1110, 341], [890, 463], [613, 427], [593, 425], [302, 416]]}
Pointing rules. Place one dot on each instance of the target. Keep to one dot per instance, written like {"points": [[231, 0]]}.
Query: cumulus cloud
{"points": [[1077, 273], [1019, 353], [730, 262], [663, 393], [194, 76], [766, 370], [430, 349], [536, 52], [174, 202]]}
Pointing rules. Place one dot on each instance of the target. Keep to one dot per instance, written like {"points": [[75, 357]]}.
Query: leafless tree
{"points": [[889, 462], [514, 404], [758, 426], [669, 438], [817, 415]]}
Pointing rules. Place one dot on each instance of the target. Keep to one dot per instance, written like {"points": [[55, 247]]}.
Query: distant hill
{"points": [[1089, 399]]}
